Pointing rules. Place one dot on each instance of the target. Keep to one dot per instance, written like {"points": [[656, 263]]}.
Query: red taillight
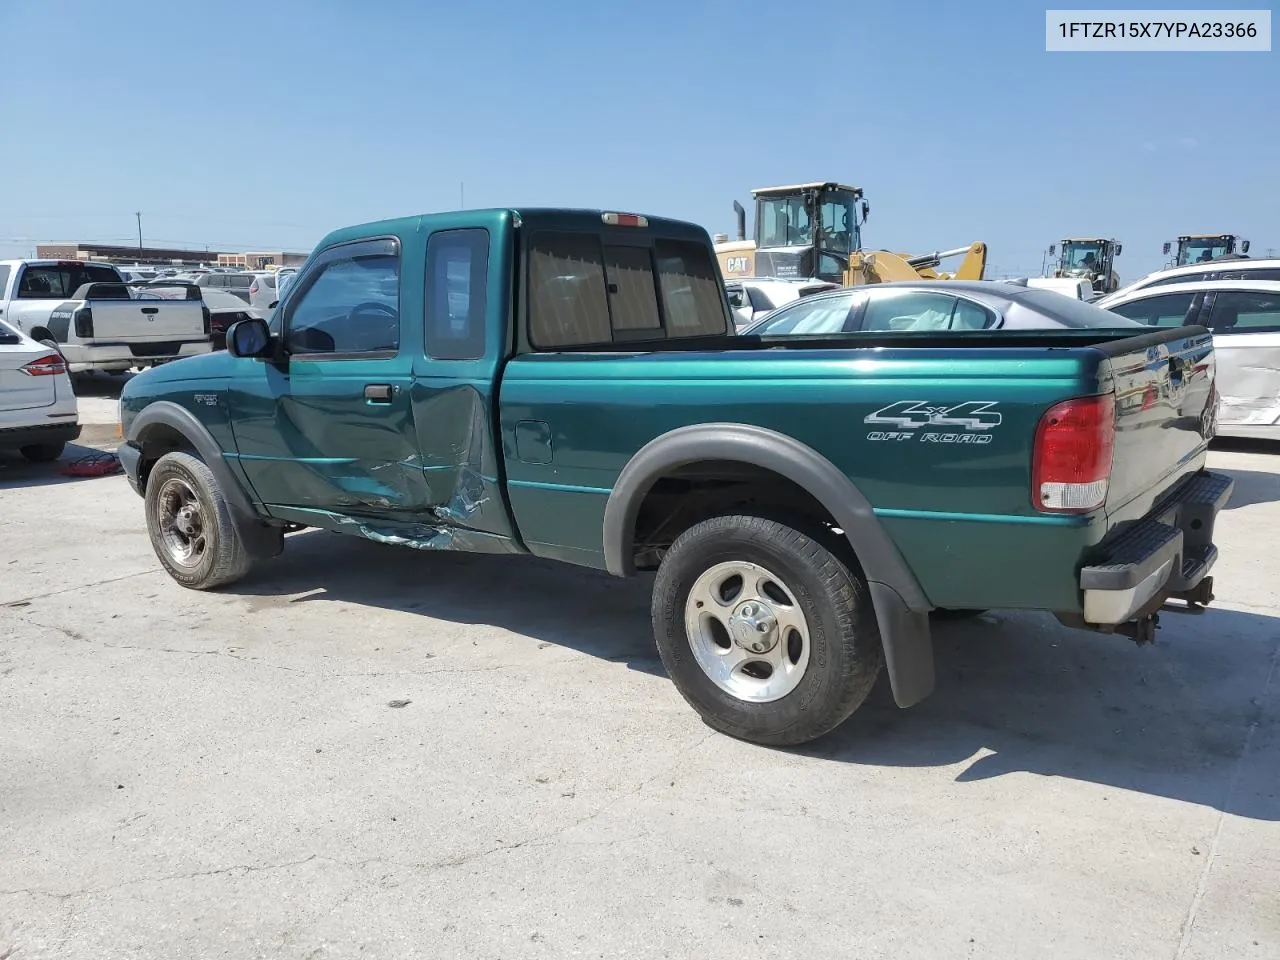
{"points": [[1074, 448], [49, 366], [253, 287]]}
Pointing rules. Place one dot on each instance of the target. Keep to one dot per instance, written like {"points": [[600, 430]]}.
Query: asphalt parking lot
{"points": [[376, 752]]}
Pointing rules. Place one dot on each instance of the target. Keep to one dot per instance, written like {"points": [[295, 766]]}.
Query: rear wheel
{"points": [[764, 630], [190, 524], [43, 452]]}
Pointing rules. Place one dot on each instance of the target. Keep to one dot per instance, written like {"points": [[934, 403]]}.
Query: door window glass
{"points": [[1244, 311], [1167, 310], [353, 306]]}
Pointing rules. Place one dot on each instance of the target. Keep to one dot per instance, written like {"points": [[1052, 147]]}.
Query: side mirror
{"points": [[1053, 249], [1167, 248], [249, 338], [866, 211], [1119, 247], [1244, 247]]}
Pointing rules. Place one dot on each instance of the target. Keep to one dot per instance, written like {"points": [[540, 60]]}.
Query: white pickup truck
{"points": [[96, 321]]}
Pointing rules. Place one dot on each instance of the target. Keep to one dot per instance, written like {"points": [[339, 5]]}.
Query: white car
{"points": [[1244, 316], [38, 414], [752, 297], [1237, 269]]}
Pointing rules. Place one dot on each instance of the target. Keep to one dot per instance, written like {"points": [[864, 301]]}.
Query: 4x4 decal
{"points": [[913, 414]]}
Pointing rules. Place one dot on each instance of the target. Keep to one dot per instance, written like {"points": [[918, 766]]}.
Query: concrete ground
{"points": [[371, 751]]}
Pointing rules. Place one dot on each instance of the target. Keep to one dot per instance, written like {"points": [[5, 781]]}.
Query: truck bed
{"points": [[939, 491]]}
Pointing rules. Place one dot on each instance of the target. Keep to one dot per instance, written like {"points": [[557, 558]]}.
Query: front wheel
{"points": [[764, 630], [190, 524]]}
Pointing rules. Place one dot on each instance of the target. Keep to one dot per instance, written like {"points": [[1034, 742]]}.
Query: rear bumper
{"points": [[122, 356], [11, 438], [1165, 555]]}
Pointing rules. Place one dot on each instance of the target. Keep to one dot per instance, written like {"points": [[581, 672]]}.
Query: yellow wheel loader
{"points": [[1088, 258], [1204, 247], [814, 230]]}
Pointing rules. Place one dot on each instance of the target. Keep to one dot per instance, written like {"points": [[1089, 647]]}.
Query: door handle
{"points": [[378, 392]]}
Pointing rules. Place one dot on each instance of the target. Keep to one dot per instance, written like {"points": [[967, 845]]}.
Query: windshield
{"points": [[827, 315], [1081, 255], [1200, 251]]}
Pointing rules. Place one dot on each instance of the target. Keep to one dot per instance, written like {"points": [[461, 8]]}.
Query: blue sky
{"points": [[247, 126]]}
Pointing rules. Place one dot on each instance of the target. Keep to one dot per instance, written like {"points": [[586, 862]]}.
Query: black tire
{"points": [[844, 657], [223, 558], [43, 452]]}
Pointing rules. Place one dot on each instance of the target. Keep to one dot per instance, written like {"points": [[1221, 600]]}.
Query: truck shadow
{"points": [[573, 607], [1187, 719], [1252, 486], [1016, 692]]}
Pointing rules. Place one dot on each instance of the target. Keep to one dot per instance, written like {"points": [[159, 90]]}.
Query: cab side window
{"points": [[351, 307], [1242, 311], [456, 294], [1168, 310]]}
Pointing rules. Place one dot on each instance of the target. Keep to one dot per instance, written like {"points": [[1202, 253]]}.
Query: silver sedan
{"points": [[935, 305]]}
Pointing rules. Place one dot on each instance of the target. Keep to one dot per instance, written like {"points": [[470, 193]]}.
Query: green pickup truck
{"points": [[566, 384]]}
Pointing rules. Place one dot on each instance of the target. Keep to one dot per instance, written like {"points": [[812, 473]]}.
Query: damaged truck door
{"points": [[329, 427]]}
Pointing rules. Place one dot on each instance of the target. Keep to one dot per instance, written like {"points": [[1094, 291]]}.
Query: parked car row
{"points": [[97, 320], [1238, 300]]}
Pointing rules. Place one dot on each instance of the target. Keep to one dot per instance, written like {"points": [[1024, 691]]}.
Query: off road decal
{"points": [[913, 418]]}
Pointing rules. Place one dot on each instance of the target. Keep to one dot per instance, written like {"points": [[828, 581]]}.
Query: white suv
{"points": [[38, 413], [1236, 269]]}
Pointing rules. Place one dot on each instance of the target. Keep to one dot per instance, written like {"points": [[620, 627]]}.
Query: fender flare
{"points": [[902, 608], [262, 540]]}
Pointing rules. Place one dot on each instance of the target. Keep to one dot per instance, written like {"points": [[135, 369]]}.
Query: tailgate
{"points": [[147, 320], [1166, 404]]}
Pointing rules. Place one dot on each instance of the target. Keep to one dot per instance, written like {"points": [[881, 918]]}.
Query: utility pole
{"points": [[462, 196], [139, 216]]}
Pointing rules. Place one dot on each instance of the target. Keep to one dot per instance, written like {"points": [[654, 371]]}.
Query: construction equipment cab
{"points": [[1202, 248], [1091, 259], [802, 231]]}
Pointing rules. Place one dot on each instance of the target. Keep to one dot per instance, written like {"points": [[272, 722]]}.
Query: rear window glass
{"points": [[61, 280], [582, 292], [1070, 312]]}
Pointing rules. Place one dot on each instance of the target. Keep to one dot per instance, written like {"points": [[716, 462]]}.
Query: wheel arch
{"points": [[164, 426], [901, 605]]}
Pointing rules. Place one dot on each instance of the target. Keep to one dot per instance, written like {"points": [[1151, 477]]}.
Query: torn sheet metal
{"points": [[1249, 383]]}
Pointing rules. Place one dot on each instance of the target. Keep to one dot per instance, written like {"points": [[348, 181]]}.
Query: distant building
{"points": [[261, 259], [163, 256]]}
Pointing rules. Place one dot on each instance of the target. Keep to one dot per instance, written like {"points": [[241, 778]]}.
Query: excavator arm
{"points": [[882, 266]]}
